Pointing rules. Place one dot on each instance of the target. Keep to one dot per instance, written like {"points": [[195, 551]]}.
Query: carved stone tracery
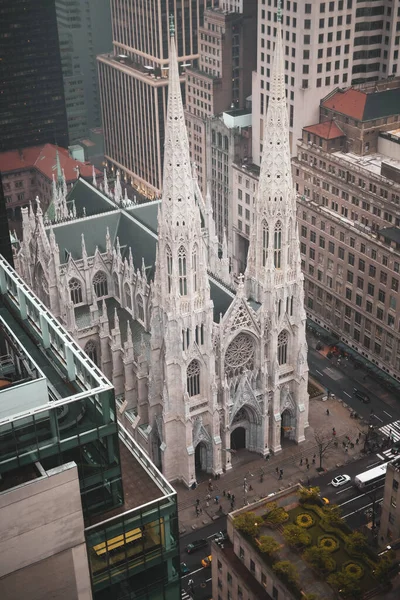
{"points": [[239, 355]]}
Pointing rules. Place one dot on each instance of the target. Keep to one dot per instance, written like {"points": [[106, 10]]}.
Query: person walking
{"points": [[313, 460], [277, 470], [327, 412], [308, 466], [301, 461], [197, 502]]}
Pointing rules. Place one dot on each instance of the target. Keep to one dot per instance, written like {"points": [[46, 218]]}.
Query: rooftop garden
{"points": [[324, 542]]}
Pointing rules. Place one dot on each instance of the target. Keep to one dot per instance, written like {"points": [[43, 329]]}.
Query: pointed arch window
{"points": [[91, 351], [278, 245], [265, 237], [194, 268], [116, 285], [75, 291], [128, 296], [282, 347], [140, 308], [100, 284], [193, 378], [169, 268], [182, 271]]}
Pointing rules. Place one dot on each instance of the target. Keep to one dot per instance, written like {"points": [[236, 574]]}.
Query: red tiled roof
{"points": [[328, 130], [350, 102], [43, 158]]}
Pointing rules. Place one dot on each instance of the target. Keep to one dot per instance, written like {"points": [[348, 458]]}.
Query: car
{"points": [[340, 480], [220, 536], [184, 568], [362, 396], [206, 562], [196, 545], [325, 501]]}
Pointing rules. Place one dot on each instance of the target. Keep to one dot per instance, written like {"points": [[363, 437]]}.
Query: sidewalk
{"points": [[250, 465]]}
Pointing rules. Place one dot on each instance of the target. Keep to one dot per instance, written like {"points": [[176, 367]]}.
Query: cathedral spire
{"points": [[274, 243]]}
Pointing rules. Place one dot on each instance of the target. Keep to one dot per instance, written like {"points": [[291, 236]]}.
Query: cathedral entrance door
{"points": [[287, 425], [200, 457], [238, 438]]}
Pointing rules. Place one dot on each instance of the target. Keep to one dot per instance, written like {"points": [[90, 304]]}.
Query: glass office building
{"points": [[56, 407]]}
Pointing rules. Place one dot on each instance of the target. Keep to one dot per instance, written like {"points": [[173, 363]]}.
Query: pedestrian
{"points": [[201, 510], [267, 457], [231, 505], [224, 493], [346, 449], [197, 512], [308, 482], [197, 502], [301, 461], [281, 472], [250, 488], [220, 508], [306, 461], [313, 461], [315, 456], [357, 440], [328, 392], [233, 497], [228, 495], [277, 471], [208, 497], [280, 476], [327, 411], [308, 466]]}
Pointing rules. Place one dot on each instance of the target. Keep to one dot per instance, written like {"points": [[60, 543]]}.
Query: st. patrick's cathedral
{"points": [[201, 365]]}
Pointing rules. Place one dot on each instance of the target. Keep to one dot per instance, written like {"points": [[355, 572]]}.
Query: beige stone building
{"points": [[239, 571], [389, 530]]}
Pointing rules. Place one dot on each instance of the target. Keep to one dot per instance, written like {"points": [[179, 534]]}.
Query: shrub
{"points": [[286, 571], [310, 495], [247, 523], [356, 542], [383, 567], [345, 584], [305, 520], [268, 545], [328, 543], [353, 569], [332, 516], [296, 537]]}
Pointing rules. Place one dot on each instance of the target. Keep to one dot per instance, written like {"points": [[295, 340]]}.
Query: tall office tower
{"points": [[220, 82], [134, 84], [32, 106], [83, 511], [84, 30], [327, 45]]}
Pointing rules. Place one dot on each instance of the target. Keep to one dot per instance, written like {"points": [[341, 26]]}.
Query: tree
{"points": [[288, 572], [268, 545], [296, 536], [345, 584], [317, 557], [383, 567], [332, 515], [356, 542], [324, 443], [310, 495], [247, 523], [275, 514]]}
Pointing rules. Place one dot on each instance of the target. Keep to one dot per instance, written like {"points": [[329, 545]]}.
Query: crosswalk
{"points": [[186, 596], [391, 431]]}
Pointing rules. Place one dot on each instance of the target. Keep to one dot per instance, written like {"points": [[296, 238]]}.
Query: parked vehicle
{"points": [[362, 396], [184, 568], [196, 545], [206, 562]]}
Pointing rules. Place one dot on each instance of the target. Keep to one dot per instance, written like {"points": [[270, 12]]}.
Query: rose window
{"points": [[239, 355]]}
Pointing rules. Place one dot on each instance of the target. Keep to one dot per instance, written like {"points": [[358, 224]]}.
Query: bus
{"points": [[372, 476]]}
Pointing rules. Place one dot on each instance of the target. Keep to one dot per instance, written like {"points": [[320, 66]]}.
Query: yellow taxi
{"points": [[325, 500], [206, 562]]}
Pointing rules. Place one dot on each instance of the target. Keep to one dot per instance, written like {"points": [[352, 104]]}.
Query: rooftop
{"points": [[391, 233], [370, 162], [364, 106], [43, 158], [237, 565], [328, 130]]}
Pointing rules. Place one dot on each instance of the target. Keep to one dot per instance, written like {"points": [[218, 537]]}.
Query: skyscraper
{"points": [[326, 45], [134, 81], [32, 107]]}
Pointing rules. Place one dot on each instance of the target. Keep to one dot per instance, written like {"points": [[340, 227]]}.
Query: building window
{"points": [[182, 271], [75, 291], [241, 553], [277, 245], [128, 296], [282, 347], [395, 484], [91, 351], [393, 501], [194, 268], [265, 242], [140, 307], [252, 566], [100, 284], [193, 378], [169, 268], [116, 285]]}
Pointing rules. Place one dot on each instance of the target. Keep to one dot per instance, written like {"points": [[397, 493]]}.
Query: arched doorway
{"points": [[287, 425], [200, 458], [238, 438]]}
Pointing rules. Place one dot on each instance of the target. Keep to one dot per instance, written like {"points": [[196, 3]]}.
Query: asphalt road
{"points": [[340, 382], [200, 575]]}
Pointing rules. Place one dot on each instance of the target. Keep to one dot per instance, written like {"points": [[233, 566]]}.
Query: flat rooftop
{"points": [[371, 162]]}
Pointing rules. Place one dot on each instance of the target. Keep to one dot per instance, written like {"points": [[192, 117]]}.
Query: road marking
{"points": [[207, 580], [319, 372], [380, 456], [378, 418], [345, 490], [192, 573], [386, 413], [347, 394], [361, 496], [373, 464], [358, 510]]}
